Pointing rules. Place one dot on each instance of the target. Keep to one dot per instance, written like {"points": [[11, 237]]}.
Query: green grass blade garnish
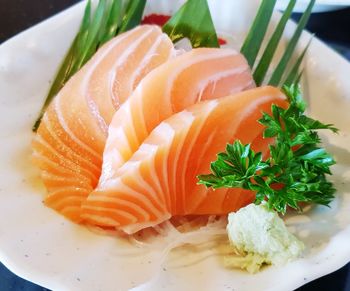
{"points": [[280, 69], [83, 31], [133, 15], [193, 20], [92, 39], [265, 61], [297, 79], [94, 31], [253, 41], [113, 21], [293, 75]]}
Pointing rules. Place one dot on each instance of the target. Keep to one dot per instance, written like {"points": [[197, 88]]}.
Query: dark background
{"points": [[332, 27]]}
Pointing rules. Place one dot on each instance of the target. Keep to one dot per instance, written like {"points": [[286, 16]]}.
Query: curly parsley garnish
{"points": [[297, 167]]}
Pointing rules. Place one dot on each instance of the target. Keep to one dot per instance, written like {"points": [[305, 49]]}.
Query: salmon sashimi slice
{"points": [[69, 144], [200, 74], [159, 180]]}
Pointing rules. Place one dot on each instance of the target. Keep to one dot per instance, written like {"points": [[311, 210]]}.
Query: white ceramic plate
{"points": [[320, 5], [43, 247]]}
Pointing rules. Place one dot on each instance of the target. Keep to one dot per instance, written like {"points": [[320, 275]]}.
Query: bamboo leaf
{"points": [[298, 77], [133, 15], [92, 40], [280, 69], [253, 41], [294, 72], [193, 20], [113, 21], [83, 31], [265, 61]]}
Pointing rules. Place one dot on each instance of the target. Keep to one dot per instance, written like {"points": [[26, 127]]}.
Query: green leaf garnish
{"points": [[193, 20], [293, 76], [297, 167], [253, 43], [133, 15], [297, 80], [280, 69], [113, 21], [254, 39], [265, 61], [89, 42], [94, 31]]}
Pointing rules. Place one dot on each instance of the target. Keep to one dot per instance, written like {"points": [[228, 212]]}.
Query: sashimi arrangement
{"points": [[137, 131]]}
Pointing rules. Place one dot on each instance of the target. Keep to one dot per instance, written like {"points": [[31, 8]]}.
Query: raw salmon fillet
{"points": [[70, 141], [159, 180], [200, 74]]}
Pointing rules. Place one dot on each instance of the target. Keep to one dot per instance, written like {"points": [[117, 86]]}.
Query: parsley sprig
{"points": [[296, 169]]}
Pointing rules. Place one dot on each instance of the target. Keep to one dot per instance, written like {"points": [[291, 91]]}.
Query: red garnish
{"points": [[222, 41], [158, 19]]}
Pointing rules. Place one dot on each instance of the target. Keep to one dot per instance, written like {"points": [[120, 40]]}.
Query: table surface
{"points": [[17, 15]]}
